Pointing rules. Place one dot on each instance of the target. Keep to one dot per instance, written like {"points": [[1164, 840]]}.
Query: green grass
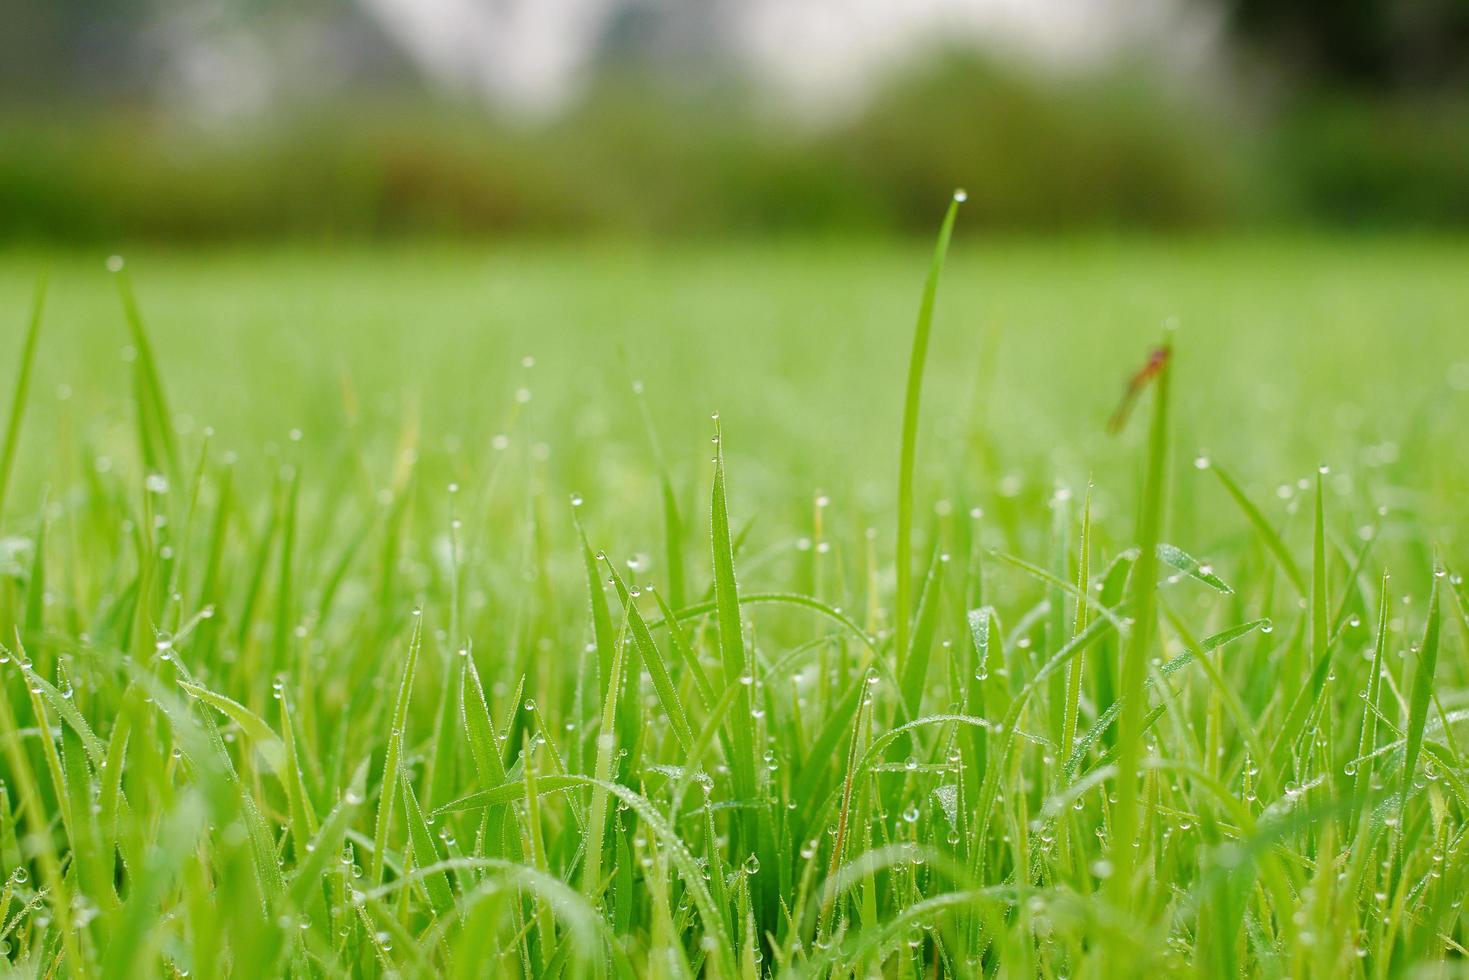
{"points": [[392, 612]]}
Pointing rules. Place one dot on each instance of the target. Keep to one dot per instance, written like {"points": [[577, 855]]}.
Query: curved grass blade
{"points": [[685, 655], [653, 660], [1189, 565], [264, 738], [779, 598], [1257, 520]]}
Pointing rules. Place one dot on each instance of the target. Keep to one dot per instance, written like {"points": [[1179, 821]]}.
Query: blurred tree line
{"points": [[1362, 119], [1364, 45]]}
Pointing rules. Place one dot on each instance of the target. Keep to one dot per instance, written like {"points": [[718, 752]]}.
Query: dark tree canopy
{"points": [[1388, 44]]}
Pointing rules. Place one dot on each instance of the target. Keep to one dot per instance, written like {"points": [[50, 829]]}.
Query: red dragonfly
{"points": [[1135, 385]]}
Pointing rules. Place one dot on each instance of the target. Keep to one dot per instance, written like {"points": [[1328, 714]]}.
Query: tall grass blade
{"points": [[393, 758], [1139, 644], [737, 669], [1421, 694], [653, 660], [425, 853], [908, 452], [155, 425], [22, 389]]}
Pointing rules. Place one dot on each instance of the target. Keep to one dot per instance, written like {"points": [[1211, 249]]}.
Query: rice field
{"points": [[736, 609]]}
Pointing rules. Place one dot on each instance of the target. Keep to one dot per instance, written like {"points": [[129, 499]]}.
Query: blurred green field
{"points": [[373, 441], [1291, 352]]}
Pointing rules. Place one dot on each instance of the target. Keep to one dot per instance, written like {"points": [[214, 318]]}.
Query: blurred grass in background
{"points": [[1112, 149], [797, 343]]}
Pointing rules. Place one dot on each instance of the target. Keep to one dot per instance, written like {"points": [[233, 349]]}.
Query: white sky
{"points": [[819, 55], [521, 53]]}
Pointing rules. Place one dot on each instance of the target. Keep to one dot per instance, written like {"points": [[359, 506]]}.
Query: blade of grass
{"points": [[1418, 699], [731, 629], [22, 388], [327, 843], [393, 757], [479, 730], [263, 737], [908, 451], [1273, 542], [653, 660], [425, 854], [672, 521], [155, 425], [545, 925], [756, 834], [603, 635], [1367, 733], [602, 774], [1320, 628], [1138, 647], [1078, 623]]}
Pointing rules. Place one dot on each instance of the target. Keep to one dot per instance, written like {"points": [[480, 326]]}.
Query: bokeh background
{"points": [[183, 121], [363, 219]]}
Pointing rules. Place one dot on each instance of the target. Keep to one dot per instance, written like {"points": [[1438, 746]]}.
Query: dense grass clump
{"points": [[455, 684]]}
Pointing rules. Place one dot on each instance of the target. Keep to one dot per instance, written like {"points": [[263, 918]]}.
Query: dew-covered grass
{"points": [[405, 612]]}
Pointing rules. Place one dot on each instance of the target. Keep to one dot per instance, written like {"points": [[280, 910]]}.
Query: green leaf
{"points": [[1139, 645], [425, 854], [1273, 542], [1178, 558], [1421, 694], [393, 757], [909, 449], [25, 363], [261, 735], [653, 660], [731, 628], [155, 425]]}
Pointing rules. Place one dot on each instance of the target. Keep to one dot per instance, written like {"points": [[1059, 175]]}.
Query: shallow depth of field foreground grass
{"points": [[394, 613]]}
